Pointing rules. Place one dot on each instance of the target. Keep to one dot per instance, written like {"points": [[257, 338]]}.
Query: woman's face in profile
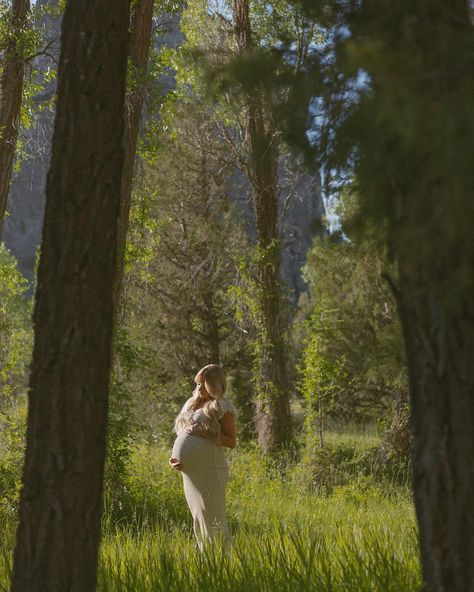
{"points": [[203, 392]]}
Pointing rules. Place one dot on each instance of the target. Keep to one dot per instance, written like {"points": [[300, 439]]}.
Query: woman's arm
{"points": [[228, 436]]}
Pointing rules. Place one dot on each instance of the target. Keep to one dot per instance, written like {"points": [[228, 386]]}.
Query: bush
{"points": [[16, 334], [152, 492], [12, 445], [15, 354]]}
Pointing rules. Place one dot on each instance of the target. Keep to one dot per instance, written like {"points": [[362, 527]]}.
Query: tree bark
{"points": [[11, 89], [61, 500], [273, 418], [439, 339], [430, 234], [140, 37]]}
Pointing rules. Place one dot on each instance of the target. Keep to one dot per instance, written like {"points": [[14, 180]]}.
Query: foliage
{"points": [[260, 488], [24, 41], [15, 354], [209, 66], [35, 45], [322, 375], [15, 327], [183, 244], [390, 104], [12, 444], [122, 423], [361, 536], [131, 357], [348, 278], [203, 68], [246, 295]]}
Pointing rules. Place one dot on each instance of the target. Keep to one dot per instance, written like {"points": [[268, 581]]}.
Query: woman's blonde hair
{"points": [[213, 379], [212, 376]]}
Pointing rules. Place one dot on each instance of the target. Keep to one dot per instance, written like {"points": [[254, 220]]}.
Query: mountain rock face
{"points": [[25, 208], [302, 210], [301, 205]]}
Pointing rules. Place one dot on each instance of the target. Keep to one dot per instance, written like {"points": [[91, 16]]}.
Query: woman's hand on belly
{"points": [[176, 464], [196, 430]]}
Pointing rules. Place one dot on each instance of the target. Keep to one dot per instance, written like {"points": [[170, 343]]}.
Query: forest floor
{"points": [[291, 529]]}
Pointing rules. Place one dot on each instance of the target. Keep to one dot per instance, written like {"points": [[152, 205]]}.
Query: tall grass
{"points": [[281, 559], [287, 533]]}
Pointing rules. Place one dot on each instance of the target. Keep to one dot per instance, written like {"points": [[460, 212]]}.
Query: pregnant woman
{"points": [[205, 424]]}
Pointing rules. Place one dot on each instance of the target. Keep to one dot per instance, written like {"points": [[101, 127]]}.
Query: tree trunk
{"points": [[139, 50], [430, 234], [439, 337], [61, 501], [273, 410], [11, 89]]}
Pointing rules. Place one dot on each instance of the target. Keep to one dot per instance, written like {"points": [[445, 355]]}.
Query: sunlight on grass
{"points": [[358, 437], [287, 535], [346, 557]]}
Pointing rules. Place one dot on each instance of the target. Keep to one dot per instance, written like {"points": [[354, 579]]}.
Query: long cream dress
{"points": [[205, 475]]}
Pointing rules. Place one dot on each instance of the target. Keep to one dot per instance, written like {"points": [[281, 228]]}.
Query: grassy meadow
{"points": [[289, 532]]}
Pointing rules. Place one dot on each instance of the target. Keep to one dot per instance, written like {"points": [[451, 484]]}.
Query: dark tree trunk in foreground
{"points": [[139, 50], [439, 335], [60, 507], [273, 409], [11, 88], [431, 235]]}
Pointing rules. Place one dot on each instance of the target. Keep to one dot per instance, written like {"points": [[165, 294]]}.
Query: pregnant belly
{"points": [[186, 448], [196, 453]]}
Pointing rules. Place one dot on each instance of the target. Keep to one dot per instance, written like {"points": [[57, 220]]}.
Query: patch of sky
{"points": [[221, 7], [332, 181], [341, 33]]}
